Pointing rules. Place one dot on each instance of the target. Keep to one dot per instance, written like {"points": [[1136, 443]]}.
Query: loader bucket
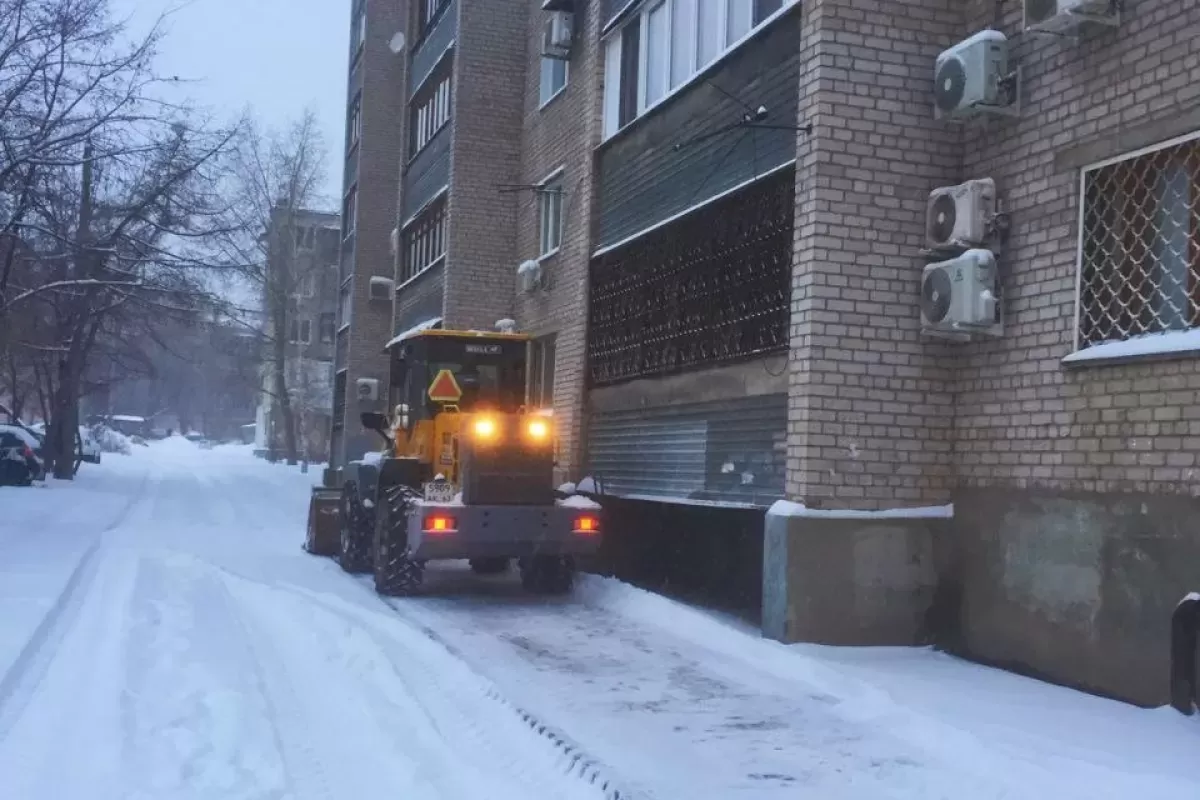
{"points": [[324, 521]]}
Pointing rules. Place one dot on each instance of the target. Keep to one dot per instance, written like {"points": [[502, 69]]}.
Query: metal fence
{"points": [[1140, 245], [713, 286]]}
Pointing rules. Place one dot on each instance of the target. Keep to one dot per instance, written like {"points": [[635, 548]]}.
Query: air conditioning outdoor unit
{"points": [[380, 288], [557, 34], [529, 276], [958, 297], [960, 216], [968, 77], [368, 389], [1065, 16]]}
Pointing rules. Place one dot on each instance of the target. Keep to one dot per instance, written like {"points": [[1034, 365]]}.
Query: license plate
{"points": [[439, 492]]}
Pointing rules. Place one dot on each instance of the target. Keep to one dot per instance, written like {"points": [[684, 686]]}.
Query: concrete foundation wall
{"points": [[850, 581], [1076, 588]]}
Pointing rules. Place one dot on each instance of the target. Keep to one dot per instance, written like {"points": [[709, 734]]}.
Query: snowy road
{"points": [[162, 635]]}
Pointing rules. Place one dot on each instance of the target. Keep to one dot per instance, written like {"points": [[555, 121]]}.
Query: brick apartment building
{"points": [[302, 263], [714, 214]]}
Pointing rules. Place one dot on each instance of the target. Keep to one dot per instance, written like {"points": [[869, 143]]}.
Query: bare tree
{"points": [[278, 177], [109, 198]]}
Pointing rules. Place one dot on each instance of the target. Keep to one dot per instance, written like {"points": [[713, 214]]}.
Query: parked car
{"points": [[89, 448], [20, 464]]}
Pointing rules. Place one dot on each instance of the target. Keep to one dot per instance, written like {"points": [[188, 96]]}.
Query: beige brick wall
{"points": [[489, 87], [562, 134], [871, 413], [1023, 421]]}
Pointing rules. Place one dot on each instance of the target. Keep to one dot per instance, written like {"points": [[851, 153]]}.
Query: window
{"points": [[541, 372], [354, 123], [305, 237], [345, 303], [350, 212], [326, 328], [739, 19], [1140, 245], [683, 43], [667, 44], [306, 284], [360, 27], [554, 78], [301, 332], [710, 24], [432, 112], [428, 12], [424, 240], [658, 49], [550, 195]]}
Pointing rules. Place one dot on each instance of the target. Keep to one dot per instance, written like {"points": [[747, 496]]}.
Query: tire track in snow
{"points": [[571, 760], [21, 680], [190, 717]]}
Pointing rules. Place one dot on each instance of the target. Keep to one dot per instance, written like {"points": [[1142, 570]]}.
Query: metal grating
{"points": [[725, 451], [712, 287], [1140, 245]]}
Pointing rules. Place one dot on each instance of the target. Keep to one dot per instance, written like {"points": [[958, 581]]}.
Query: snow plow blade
{"points": [[437, 531], [324, 521]]}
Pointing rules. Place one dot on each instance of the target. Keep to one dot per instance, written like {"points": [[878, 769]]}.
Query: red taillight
{"points": [[587, 524], [28, 451], [439, 523]]}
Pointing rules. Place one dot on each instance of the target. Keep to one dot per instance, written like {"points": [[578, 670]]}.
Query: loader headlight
{"points": [[484, 428], [538, 430]]}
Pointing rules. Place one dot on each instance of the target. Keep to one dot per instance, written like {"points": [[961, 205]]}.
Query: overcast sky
{"points": [[276, 56]]}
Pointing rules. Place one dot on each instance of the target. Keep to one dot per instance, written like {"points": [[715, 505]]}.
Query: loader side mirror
{"points": [[374, 421]]}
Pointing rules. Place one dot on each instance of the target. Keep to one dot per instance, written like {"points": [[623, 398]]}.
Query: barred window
{"points": [[429, 117], [1140, 245], [424, 240]]}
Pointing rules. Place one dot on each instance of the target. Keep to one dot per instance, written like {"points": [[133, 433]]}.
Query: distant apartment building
{"points": [[303, 282], [926, 270]]}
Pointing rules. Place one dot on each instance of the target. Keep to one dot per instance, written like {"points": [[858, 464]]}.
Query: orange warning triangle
{"points": [[444, 388]]}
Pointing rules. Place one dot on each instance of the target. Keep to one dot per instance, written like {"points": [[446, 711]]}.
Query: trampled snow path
{"points": [[162, 635]]}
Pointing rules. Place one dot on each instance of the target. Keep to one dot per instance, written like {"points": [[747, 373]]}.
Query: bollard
{"points": [[1185, 627]]}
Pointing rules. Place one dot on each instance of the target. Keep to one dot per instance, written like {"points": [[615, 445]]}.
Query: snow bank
{"points": [[111, 441]]}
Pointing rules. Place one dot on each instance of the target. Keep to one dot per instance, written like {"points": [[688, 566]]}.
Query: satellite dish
{"points": [[396, 45]]}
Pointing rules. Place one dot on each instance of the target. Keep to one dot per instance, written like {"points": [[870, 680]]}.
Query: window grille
{"points": [[1139, 258]]}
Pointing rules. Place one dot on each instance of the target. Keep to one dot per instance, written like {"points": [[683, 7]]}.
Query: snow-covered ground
{"points": [[162, 635]]}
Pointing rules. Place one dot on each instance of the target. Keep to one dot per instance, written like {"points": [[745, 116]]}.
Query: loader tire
{"points": [[489, 566], [548, 574], [354, 550], [397, 574]]}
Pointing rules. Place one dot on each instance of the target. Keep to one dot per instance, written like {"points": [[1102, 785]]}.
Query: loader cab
{"points": [[436, 370]]}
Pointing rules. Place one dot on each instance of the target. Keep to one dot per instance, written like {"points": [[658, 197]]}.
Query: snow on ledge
{"points": [[578, 501], [787, 508], [1148, 344], [413, 331]]}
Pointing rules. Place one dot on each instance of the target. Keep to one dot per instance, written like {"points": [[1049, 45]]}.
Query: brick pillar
{"points": [[870, 418], [870, 422]]}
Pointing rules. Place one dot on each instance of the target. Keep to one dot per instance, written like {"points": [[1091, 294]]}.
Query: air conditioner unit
{"points": [[380, 288], [968, 77], [1064, 16], [368, 389], [958, 297], [960, 216], [529, 276], [557, 33]]}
